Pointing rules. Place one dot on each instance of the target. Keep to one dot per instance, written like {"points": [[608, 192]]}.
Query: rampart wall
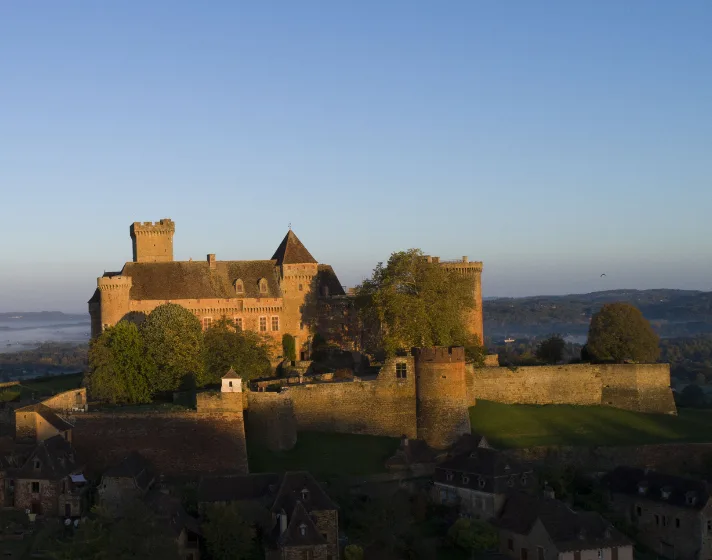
{"points": [[385, 406], [176, 443], [639, 387], [270, 420]]}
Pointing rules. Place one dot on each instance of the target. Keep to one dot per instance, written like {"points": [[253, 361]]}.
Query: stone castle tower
{"points": [[153, 242], [442, 403]]}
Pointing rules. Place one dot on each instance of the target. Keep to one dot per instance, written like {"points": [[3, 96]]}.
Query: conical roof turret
{"points": [[292, 251]]}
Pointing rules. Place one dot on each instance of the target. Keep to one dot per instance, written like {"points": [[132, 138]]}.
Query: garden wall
{"points": [[639, 387]]}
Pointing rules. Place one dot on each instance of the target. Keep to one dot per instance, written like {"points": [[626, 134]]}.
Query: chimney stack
{"points": [[211, 260]]}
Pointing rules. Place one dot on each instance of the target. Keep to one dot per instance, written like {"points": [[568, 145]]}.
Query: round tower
{"points": [[114, 299], [441, 391]]}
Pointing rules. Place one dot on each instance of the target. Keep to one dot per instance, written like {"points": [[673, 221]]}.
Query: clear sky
{"points": [[554, 140]]}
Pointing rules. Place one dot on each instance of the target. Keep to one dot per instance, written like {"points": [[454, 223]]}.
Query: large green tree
{"points": [[229, 347], [174, 343], [119, 370], [619, 333], [473, 535], [412, 302], [227, 535], [551, 350]]}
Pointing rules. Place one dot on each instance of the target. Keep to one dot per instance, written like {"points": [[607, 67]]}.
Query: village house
{"points": [[478, 481], [188, 533], [672, 515], [124, 483], [50, 482], [38, 422], [542, 528], [298, 519], [418, 458]]}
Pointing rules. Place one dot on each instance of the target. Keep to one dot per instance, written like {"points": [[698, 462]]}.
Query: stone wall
{"points": [[270, 420], [76, 398], [639, 387], [383, 406], [176, 443]]}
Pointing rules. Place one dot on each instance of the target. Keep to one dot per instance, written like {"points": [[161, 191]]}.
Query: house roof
{"points": [[467, 442], [196, 280], [483, 461], [300, 486], [627, 480], [292, 251], [326, 277], [411, 452], [56, 460], [569, 530], [301, 530], [182, 521], [49, 415], [133, 466], [231, 374]]}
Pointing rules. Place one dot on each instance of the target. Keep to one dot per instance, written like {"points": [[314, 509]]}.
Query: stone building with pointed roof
{"points": [[267, 296]]}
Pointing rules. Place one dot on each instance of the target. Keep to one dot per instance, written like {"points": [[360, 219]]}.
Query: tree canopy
{"points": [[551, 350], [119, 370], [473, 535], [411, 302], [620, 333], [174, 343], [229, 347], [227, 535]]}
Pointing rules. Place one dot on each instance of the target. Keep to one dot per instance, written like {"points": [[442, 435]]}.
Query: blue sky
{"points": [[552, 140]]}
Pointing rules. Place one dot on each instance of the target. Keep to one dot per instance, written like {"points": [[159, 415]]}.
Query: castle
{"points": [[289, 293]]}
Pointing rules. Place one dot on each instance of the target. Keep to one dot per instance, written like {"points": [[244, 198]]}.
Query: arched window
{"points": [[239, 287], [263, 285]]}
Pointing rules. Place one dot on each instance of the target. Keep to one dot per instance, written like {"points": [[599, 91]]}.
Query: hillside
{"points": [[673, 312]]}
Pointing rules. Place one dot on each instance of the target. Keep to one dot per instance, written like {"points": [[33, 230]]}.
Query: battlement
{"points": [[166, 225], [106, 283], [462, 264], [439, 354], [153, 241]]}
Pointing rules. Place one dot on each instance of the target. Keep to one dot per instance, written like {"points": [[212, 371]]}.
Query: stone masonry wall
{"points": [[270, 420], [176, 443], [384, 406], [639, 387], [67, 400]]}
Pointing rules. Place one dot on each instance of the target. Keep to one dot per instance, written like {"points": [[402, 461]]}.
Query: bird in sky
{"points": [[602, 275]]}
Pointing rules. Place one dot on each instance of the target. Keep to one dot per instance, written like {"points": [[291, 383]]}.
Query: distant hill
{"points": [[674, 313], [43, 316]]}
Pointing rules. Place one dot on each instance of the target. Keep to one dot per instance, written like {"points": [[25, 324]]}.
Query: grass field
{"points": [[326, 454], [507, 425]]}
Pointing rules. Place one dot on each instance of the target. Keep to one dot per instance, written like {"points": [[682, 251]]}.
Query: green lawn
{"points": [[507, 425], [326, 454], [48, 386]]}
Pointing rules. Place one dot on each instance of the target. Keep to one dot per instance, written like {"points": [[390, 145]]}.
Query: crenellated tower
{"points": [[473, 272], [114, 299], [153, 241]]}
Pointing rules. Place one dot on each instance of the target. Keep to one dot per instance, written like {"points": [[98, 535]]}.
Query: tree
{"points": [[620, 333], [475, 352], [693, 396], [174, 343], [412, 302], [473, 535], [119, 371], [353, 552], [228, 347], [551, 350], [227, 534], [289, 347]]}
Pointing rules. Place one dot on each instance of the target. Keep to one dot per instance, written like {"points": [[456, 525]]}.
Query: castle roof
{"points": [[196, 280], [659, 487], [292, 251]]}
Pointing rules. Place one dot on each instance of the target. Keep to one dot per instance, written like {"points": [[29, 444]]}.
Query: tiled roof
{"points": [[326, 277], [301, 530], [133, 466], [658, 487], [49, 415], [301, 486], [231, 374], [483, 461], [568, 530], [196, 280], [56, 460], [292, 251]]}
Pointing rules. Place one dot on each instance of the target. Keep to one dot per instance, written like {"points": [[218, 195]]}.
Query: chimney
{"points": [[436, 260], [211, 260], [282, 522], [465, 259]]}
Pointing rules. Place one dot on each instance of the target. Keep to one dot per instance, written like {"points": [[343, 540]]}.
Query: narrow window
{"points": [[401, 371], [305, 494], [510, 544], [657, 519], [465, 479], [525, 554], [263, 324], [481, 482], [207, 322], [600, 554], [638, 511], [263, 286], [37, 465], [303, 529], [35, 487], [238, 323], [448, 477], [677, 522], [301, 287], [301, 325], [229, 383], [275, 323], [239, 287], [540, 552]]}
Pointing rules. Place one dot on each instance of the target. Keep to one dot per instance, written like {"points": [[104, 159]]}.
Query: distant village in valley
{"points": [[245, 409]]}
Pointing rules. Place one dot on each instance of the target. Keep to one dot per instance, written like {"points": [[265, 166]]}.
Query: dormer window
{"points": [[465, 479], [37, 465], [303, 529], [643, 488], [448, 476], [239, 287], [305, 494], [665, 493], [263, 285], [481, 482], [690, 498]]}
